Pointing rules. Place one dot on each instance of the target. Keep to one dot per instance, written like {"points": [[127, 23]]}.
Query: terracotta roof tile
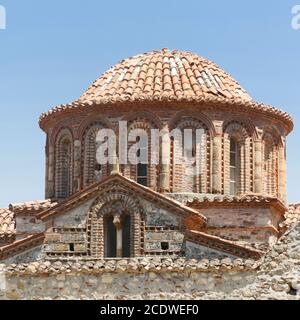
{"points": [[31, 207], [7, 223], [231, 247], [168, 76], [134, 265], [201, 200]]}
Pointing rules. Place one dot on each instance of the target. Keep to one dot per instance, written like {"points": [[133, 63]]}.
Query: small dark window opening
{"points": [[165, 246], [98, 167], [126, 236], [110, 238], [142, 174], [72, 247]]}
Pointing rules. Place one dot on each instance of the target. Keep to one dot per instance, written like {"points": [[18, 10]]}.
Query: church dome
{"points": [[164, 75], [167, 76]]}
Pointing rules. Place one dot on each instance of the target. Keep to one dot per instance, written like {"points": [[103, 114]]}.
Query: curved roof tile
{"points": [[166, 75]]}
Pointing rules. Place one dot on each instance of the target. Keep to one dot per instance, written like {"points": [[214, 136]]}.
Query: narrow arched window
{"points": [[233, 166], [145, 172], [142, 166], [269, 165], [92, 170], [64, 166], [110, 237], [117, 237], [238, 160], [190, 156]]}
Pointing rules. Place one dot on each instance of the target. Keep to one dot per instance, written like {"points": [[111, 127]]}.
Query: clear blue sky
{"points": [[52, 50]]}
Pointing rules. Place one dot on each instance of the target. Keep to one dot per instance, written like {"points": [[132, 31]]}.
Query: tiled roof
{"points": [[201, 201], [7, 223], [292, 216], [21, 245], [224, 245], [166, 75], [32, 207], [132, 265]]}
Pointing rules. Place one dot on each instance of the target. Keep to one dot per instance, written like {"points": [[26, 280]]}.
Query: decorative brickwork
{"points": [[260, 164], [270, 165], [63, 164], [118, 216], [184, 176], [92, 171], [130, 170], [236, 132], [117, 203]]}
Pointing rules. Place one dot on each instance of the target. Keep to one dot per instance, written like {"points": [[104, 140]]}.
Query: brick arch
{"points": [[237, 129], [195, 115], [111, 203], [63, 160], [184, 178], [62, 125], [247, 126], [273, 133], [147, 115], [270, 163], [106, 123], [146, 121], [88, 154], [243, 135]]}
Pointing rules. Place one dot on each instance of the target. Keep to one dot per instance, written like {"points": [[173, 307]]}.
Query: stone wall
{"points": [[279, 274], [276, 276], [126, 279]]}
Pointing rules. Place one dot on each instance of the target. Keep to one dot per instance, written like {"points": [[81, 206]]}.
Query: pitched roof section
{"points": [[7, 223], [21, 245], [120, 180], [32, 207], [221, 244], [231, 201], [167, 75]]}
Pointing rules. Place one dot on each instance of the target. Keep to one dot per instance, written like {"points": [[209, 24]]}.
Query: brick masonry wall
{"points": [[215, 122], [256, 226]]}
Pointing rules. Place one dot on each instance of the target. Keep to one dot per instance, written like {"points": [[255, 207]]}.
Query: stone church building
{"points": [[235, 208]]}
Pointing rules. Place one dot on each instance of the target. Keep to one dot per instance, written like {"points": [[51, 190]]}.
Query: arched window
{"points": [[64, 165], [144, 172], [142, 166], [237, 160], [190, 158], [270, 163], [117, 231], [92, 171], [234, 174], [110, 237], [114, 225]]}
